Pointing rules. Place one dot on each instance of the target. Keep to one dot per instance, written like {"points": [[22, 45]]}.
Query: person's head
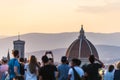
{"points": [[45, 59], [74, 62], [50, 60], [64, 59], [92, 58], [111, 68], [32, 64], [78, 62], [67, 62], [25, 60], [118, 65], [21, 60], [4, 60], [15, 53], [33, 59]]}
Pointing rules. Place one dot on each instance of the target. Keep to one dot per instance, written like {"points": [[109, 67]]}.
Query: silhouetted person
{"points": [[51, 61], [31, 69], [22, 70], [63, 69], [47, 72], [4, 68], [75, 72], [117, 72], [14, 66], [93, 68], [109, 74]]}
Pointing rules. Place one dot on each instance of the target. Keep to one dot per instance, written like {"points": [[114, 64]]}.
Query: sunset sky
{"points": [[56, 16]]}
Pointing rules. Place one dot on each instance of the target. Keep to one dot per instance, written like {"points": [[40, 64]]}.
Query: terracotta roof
{"points": [[81, 48]]}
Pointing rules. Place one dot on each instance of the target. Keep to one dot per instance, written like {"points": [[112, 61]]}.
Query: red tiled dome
{"points": [[81, 48]]}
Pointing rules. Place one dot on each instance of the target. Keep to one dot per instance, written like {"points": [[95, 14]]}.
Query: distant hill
{"points": [[40, 41], [108, 54], [2, 36]]}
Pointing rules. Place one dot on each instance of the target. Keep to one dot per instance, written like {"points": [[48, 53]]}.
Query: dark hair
{"points": [[21, 59], [4, 59], [44, 59], [33, 64], [64, 59], [92, 59], [111, 68], [67, 62], [15, 53], [75, 62], [78, 62]]}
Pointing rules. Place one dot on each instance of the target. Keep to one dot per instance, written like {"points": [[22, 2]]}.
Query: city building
{"points": [[81, 48], [20, 46]]}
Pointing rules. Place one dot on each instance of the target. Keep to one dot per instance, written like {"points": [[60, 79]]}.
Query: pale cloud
{"points": [[104, 6]]}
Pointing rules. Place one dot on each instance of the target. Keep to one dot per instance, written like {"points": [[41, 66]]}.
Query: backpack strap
{"points": [[76, 75]]}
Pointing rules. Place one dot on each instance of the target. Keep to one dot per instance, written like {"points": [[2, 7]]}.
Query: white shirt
{"points": [[109, 75], [78, 70], [28, 74]]}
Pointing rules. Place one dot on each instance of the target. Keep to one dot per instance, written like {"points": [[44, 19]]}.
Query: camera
{"points": [[48, 52]]}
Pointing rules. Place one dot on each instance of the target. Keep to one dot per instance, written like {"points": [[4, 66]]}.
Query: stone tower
{"points": [[20, 46]]}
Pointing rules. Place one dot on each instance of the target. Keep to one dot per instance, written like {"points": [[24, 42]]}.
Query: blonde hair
{"points": [[118, 65]]}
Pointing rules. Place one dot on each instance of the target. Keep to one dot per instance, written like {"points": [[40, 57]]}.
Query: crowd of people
{"points": [[20, 69]]}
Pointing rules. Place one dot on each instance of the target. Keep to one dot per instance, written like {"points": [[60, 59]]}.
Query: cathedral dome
{"points": [[81, 48]]}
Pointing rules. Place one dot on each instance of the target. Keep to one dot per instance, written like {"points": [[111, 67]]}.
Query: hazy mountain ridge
{"points": [[108, 54], [41, 41]]}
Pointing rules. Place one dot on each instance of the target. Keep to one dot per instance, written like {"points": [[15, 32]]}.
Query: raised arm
{"points": [[100, 62]]}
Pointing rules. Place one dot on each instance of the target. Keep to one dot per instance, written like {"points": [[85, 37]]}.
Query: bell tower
{"points": [[20, 46]]}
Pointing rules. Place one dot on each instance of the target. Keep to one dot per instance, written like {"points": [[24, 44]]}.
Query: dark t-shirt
{"points": [[92, 71], [22, 71], [117, 75], [48, 72]]}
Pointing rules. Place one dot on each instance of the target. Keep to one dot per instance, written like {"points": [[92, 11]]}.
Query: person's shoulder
{"points": [[98, 65], [68, 66], [52, 66], [94, 64], [59, 66], [70, 71], [78, 68], [44, 67], [117, 71], [81, 69], [11, 60], [88, 65]]}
